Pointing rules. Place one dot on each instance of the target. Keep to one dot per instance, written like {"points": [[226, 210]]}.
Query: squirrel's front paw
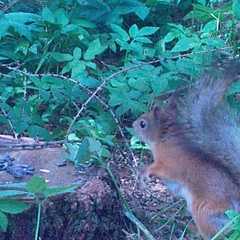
{"points": [[143, 177]]}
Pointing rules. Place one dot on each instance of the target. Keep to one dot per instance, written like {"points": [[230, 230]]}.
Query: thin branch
{"points": [[9, 122], [4, 9], [20, 144]]}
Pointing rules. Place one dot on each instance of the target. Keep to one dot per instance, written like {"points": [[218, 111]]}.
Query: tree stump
{"points": [[92, 211]]}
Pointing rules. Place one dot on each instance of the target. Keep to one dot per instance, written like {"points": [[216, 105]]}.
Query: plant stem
{"points": [[38, 221]]}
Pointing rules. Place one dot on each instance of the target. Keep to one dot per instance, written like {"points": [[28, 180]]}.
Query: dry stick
{"points": [[5, 114], [21, 145], [4, 9], [6, 76]]}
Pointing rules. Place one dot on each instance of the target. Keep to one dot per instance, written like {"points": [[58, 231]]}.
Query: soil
{"points": [[163, 214]]}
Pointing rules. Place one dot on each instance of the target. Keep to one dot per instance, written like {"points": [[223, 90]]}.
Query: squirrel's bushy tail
{"points": [[210, 123]]}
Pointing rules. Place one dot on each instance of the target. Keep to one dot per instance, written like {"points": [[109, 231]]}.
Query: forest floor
{"points": [[163, 214]]}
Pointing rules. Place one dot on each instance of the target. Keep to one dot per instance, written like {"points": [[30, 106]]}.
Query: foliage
{"points": [[233, 224], [9, 205], [35, 187], [235, 220], [83, 70]]}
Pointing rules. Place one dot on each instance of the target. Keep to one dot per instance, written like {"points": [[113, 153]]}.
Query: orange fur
{"points": [[209, 185]]}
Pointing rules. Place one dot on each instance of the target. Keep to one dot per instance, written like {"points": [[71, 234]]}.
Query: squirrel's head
{"points": [[157, 125]]}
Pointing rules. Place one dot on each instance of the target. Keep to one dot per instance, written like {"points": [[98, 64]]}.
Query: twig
{"points": [[9, 122], [18, 144], [6, 76], [4, 9]]}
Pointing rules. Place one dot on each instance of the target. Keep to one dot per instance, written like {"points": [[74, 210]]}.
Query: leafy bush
{"points": [[66, 70], [34, 187]]}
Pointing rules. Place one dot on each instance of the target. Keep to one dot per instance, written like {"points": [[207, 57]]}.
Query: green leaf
{"points": [[121, 32], [48, 16], [203, 8], [141, 11], [232, 214], [169, 37], [13, 185], [94, 49], [124, 45], [70, 28], [77, 53], [82, 154], [133, 31], [234, 89], [183, 45], [36, 184], [3, 221], [159, 84], [22, 29], [214, 41], [55, 190], [61, 17], [136, 47], [36, 82], [236, 8], [106, 153], [143, 40], [22, 17], [87, 81], [202, 2], [8, 193], [69, 66], [136, 143], [62, 57], [48, 80], [12, 206], [2, 58], [209, 27], [85, 23], [78, 69], [35, 131], [145, 31], [20, 126], [4, 27], [94, 145], [91, 65]]}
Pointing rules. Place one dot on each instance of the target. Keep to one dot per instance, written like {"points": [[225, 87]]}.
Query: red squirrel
{"points": [[196, 151]]}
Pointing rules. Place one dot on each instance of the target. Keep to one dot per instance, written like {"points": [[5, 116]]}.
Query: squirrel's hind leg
{"points": [[207, 220]]}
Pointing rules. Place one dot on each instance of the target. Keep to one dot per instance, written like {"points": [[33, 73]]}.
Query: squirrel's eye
{"points": [[143, 124]]}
